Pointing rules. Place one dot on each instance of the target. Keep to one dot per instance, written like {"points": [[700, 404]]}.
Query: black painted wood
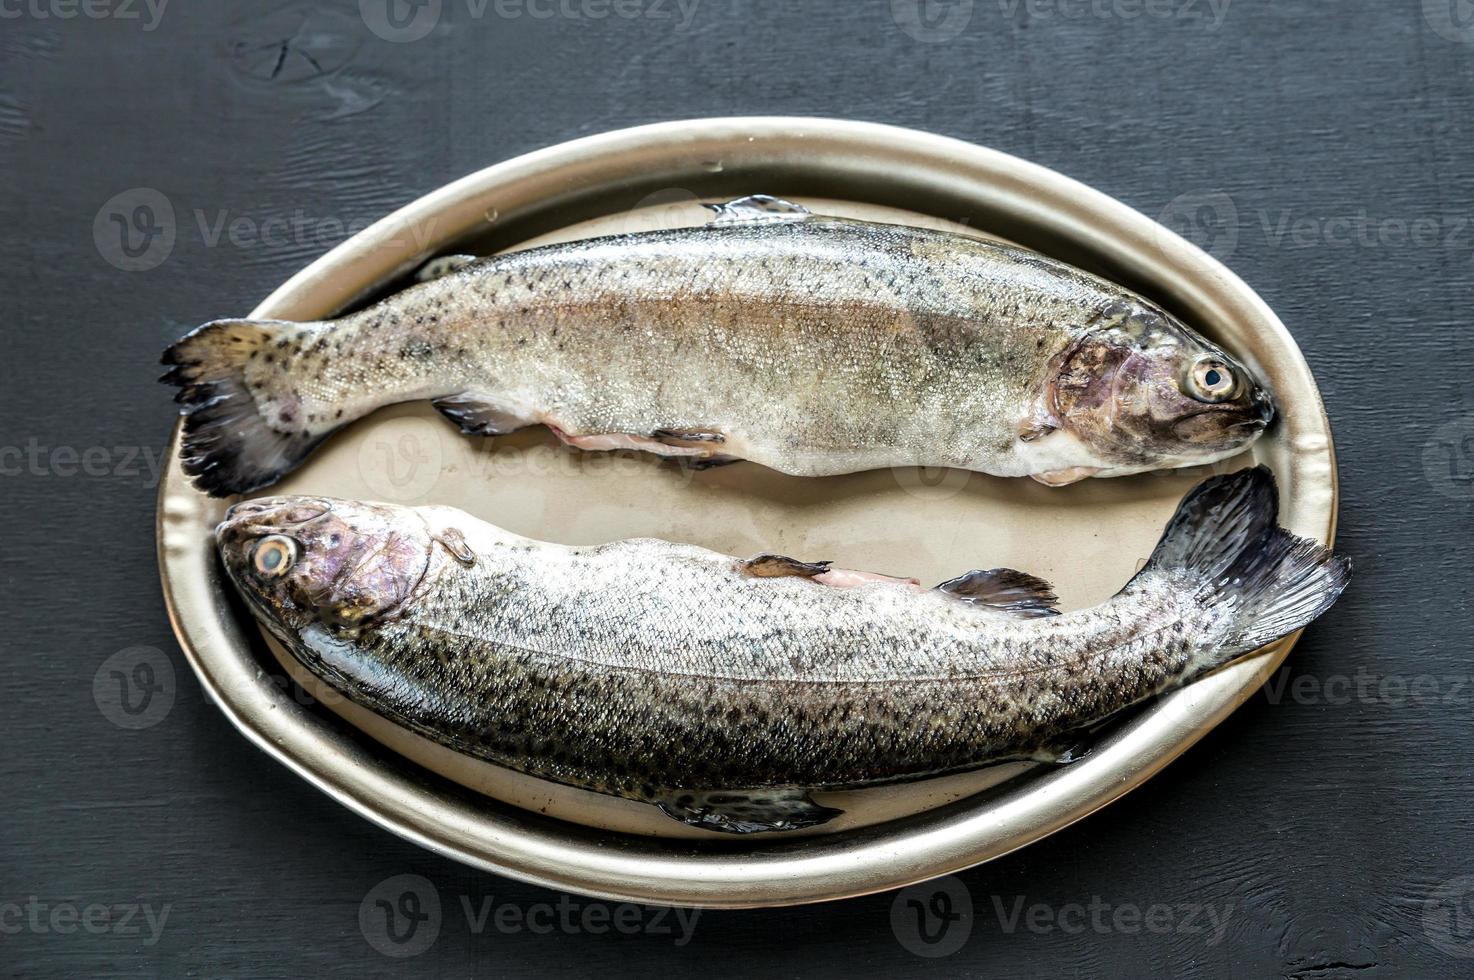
{"points": [[1323, 149]]}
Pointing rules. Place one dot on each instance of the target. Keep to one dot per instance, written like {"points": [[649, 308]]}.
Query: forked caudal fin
{"points": [[229, 446], [1263, 581]]}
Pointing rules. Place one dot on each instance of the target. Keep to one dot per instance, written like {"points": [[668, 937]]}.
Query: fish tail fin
{"points": [[1257, 581], [229, 446]]}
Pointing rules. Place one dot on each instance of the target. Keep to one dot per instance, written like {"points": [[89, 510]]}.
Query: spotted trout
{"points": [[812, 345], [726, 691]]}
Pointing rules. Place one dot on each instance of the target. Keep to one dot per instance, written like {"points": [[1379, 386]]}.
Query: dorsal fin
{"points": [[781, 566], [757, 207], [443, 265], [1006, 590]]}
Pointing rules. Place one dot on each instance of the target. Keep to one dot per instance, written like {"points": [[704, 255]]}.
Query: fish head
{"points": [[1145, 391], [305, 560]]}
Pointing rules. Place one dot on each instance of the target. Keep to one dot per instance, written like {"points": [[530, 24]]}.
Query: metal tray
{"points": [[1088, 539]]}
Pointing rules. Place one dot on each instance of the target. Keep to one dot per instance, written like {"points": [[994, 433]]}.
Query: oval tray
{"points": [[1088, 539]]}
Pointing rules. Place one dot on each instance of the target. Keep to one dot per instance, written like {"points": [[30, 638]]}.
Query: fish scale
{"points": [[726, 691], [810, 344]]}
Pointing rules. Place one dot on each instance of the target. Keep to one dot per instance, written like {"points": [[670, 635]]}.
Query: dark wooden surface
{"points": [[1326, 150]]}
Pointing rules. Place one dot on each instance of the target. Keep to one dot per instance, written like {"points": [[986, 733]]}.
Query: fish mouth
{"points": [[1222, 429]]}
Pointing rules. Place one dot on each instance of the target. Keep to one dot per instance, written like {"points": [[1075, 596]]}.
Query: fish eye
{"points": [[274, 556], [1211, 380]]}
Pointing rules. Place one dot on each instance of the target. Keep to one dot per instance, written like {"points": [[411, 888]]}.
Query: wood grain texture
{"points": [[1324, 151]]}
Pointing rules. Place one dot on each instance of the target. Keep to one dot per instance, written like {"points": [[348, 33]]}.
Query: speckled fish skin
{"points": [[678, 676], [809, 344]]}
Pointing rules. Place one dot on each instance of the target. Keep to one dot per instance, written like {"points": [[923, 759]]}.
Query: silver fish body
{"points": [[724, 690], [812, 345]]}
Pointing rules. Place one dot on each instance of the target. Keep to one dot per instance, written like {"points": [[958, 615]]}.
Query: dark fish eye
{"points": [[1211, 380], [274, 556]]}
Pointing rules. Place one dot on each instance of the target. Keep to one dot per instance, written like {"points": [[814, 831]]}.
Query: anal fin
{"points": [[696, 447], [480, 415], [1006, 590], [746, 811]]}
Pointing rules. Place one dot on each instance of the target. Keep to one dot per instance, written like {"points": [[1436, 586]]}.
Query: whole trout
{"points": [[723, 690], [812, 345]]}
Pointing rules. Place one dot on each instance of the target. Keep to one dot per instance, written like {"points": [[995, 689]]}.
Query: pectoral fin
{"points": [[1006, 590], [1063, 478], [1037, 426], [746, 811]]}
